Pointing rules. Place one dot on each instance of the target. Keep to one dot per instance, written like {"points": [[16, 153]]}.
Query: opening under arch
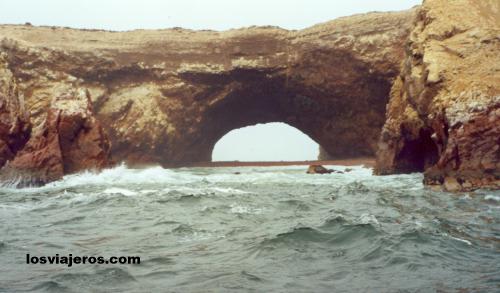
{"points": [[268, 142]]}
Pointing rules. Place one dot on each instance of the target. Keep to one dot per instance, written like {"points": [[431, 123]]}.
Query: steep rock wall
{"points": [[444, 112], [15, 126], [70, 140]]}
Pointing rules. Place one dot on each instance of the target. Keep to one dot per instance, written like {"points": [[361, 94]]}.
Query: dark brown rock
{"points": [[318, 169], [471, 156], [70, 140], [442, 117]]}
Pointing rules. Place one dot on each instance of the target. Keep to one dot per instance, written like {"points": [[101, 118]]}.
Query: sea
{"points": [[248, 229]]}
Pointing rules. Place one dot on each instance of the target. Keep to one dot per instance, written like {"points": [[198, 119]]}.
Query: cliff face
{"points": [[15, 126], [167, 96], [69, 140], [444, 112]]}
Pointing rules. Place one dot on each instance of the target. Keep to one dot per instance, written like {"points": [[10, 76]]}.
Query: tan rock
{"points": [[454, 130], [15, 125], [167, 96], [451, 184]]}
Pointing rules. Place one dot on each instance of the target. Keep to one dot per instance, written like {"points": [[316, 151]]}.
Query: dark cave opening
{"points": [[418, 154]]}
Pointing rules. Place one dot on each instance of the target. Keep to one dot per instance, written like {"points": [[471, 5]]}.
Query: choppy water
{"points": [[272, 229]]}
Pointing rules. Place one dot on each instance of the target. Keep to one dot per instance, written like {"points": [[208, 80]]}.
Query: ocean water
{"points": [[268, 229]]}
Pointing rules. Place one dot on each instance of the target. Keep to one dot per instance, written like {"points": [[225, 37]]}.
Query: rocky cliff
{"points": [[444, 112], [167, 96], [15, 127], [428, 77], [70, 140]]}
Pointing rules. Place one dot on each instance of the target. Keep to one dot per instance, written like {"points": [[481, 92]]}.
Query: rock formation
{"points": [[70, 140], [15, 127], [318, 169], [444, 112], [167, 96]]}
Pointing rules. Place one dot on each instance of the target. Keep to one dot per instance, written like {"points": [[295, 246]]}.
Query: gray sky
{"points": [[194, 14], [269, 142], [265, 142]]}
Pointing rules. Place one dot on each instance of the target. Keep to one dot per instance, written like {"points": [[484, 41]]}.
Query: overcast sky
{"points": [[265, 142], [271, 142], [194, 14]]}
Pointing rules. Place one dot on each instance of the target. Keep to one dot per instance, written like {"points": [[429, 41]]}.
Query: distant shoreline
{"points": [[368, 162]]}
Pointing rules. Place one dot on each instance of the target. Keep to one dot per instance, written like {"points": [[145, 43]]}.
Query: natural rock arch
{"points": [[167, 96], [260, 97], [256, 96]]}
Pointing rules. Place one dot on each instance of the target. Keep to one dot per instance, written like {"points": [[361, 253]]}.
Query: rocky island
{"points": [[418, 88]]}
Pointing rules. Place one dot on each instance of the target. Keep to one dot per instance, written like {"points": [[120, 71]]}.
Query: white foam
{"points": [[173, 178], [204, 190], [287, 174], [186, 190], [124, 175], [240, 209], [462, 240], [148, 191], [492, 197], [123, 191], [228, 190], [366, 219], [199, 236], [119, 175]]}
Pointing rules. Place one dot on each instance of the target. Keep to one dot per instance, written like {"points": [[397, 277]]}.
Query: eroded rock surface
{"points": [[70, 140], [444, 113], [15, 126], [167, 96]]}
